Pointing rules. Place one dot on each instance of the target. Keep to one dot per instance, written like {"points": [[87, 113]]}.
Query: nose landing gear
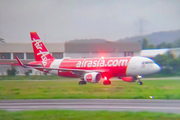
{"points": [[139, 81]]}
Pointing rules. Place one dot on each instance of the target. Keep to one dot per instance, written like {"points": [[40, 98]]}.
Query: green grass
{"points": [[32, 77], [53, 77], [69, 89], [160, 75], [85, 115]]}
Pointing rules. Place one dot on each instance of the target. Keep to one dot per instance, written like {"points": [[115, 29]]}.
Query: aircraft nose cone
{"points": [[157, 68]]}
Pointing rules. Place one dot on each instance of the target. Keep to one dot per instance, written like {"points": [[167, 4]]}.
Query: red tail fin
{"points": [[40, 51]]}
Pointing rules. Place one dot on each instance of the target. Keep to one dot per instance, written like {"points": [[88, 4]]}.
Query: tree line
{"points": [[147, 45], [170, 63]]}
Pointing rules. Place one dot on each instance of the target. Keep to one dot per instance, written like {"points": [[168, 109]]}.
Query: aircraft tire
{"points": [[140, 83], [106, 82], [82, 82]]}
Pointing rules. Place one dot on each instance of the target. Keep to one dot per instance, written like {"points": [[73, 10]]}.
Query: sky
{"points": [[64, 20]]}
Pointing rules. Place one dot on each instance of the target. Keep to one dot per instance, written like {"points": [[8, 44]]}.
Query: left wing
{"points": [[39, 67], [73, 70]]}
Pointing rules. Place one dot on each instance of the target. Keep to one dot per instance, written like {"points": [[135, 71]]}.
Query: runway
{"points": [[167, 106]]}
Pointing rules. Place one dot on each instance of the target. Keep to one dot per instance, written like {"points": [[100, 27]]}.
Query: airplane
{"points": [[91, 70]]}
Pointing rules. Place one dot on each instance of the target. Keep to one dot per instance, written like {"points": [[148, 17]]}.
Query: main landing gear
{"points": [[82, 82], [106, 82], [139, 81]]}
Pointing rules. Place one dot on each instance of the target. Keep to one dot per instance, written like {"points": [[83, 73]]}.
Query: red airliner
{"points": [[92, 70]]}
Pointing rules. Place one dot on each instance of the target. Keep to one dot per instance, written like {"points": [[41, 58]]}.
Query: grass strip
{"points": [[87, 115], [69, 89]]}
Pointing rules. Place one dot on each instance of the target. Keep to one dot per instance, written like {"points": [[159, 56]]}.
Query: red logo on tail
{"points": [[40, 51]]}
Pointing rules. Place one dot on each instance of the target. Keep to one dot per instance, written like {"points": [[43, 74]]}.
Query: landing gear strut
{"points": [[82, 82], [139, 81]]}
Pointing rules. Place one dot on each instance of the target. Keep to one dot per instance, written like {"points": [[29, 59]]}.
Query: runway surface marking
{"points": [[168, 106]]}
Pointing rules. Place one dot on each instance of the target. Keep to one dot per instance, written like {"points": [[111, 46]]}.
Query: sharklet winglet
{"points": [[20, 63]]}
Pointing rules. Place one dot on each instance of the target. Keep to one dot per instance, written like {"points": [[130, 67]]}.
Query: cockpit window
{"points": [[148, 62]]}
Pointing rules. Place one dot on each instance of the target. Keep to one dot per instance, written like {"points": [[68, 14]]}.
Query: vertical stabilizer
{"points": [[40, 51]]}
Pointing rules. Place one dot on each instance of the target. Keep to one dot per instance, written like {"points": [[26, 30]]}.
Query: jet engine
{"points": [[92, 77], [129, 79]]}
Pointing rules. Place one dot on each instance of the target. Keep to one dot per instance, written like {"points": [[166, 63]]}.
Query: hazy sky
{"points": [[63, 20]]}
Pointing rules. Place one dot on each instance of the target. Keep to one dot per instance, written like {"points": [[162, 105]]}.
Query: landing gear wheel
{"points": [[140, 83], [107, 82], [82, 82]]}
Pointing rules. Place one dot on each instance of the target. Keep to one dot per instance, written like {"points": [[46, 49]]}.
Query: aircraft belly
{"points": [[54, 72]]}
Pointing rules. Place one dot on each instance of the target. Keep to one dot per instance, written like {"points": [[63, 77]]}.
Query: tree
{"points": [[172, 55], [11, 72], [169, 62], [151, 46], [175, 64], [145, 43], [162, 45], [162, 60], [177, 43], [170, 45]]}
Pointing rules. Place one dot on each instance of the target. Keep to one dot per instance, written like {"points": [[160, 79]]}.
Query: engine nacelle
{"points": [[92, 77], [128, 79]]}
